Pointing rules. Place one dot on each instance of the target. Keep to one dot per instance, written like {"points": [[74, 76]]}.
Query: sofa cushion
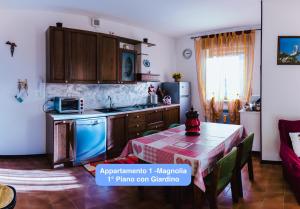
{"points": [[295, 138]]}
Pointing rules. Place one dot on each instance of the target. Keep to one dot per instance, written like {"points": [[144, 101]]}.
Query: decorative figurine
{"points": [[12, 47], [192, 124], [145, 40], [167, 100], [59, 24]]}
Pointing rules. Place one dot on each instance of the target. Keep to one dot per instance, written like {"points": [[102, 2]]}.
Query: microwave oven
{"points": [[68, 105]]}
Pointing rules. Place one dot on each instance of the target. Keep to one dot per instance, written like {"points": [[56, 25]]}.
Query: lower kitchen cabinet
{"points": [[155, 120], [116, 135], [171, 115], [60, 141], [136, 124], [122, 128]]}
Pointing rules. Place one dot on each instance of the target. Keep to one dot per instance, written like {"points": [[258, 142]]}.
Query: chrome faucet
{"points": [[110, 102]]}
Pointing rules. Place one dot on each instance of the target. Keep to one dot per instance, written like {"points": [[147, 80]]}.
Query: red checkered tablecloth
{"points": [[201, 152]]}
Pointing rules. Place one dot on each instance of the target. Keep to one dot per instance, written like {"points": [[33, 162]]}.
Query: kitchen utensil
{"points": [[167, 100]]}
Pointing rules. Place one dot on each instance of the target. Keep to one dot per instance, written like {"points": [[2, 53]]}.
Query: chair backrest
{"points": [[245, 149], [174, 125], [285, 127], [226, 166], [146, 133]]}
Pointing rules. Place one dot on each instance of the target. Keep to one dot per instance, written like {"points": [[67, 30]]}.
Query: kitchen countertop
{"points": [[95, 114]]}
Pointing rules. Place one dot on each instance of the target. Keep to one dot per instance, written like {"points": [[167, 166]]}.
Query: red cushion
{"points": [[290, 161]]}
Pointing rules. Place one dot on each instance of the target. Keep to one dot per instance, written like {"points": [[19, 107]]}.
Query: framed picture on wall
{"points": [[128, 58], [288, 52]]}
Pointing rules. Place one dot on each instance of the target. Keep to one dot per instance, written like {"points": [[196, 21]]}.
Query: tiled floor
{"points": [[39, 187]]}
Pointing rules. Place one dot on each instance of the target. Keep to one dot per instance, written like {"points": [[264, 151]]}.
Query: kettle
{"points": [[167, 100]]}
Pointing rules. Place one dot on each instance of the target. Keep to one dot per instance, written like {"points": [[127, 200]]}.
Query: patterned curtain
{"points": [[225, 44]]}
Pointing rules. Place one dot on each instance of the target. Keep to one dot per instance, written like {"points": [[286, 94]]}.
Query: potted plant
{"points": [[177, 76]]}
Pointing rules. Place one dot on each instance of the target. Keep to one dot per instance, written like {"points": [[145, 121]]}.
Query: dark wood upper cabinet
{"points": [[127, 66], [77, 56], [83, 57], [109, 62], [56, 55]]}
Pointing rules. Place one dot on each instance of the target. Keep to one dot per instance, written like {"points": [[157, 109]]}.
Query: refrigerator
{"points": [[180, 93]]}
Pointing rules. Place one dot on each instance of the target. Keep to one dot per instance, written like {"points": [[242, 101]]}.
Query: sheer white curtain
{"points": [[224, 77]]}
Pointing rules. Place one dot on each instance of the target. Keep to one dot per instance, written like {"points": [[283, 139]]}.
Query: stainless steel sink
{"points": [[108, 110], [126, 109]]}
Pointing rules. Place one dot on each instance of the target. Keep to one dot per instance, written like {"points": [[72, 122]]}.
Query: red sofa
{"points": [[290, 161]]}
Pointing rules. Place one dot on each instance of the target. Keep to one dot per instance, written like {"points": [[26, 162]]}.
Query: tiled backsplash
{"points": [[96, 96]]}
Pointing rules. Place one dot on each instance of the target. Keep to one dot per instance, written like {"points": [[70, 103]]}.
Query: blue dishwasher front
{"points": [[90, 139]]}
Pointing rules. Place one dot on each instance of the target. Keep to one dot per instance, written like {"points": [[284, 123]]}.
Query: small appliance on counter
{"points": [[68, 105], [254, 104], [192, 124], [167, 100], [153, 99], [180, 93]]}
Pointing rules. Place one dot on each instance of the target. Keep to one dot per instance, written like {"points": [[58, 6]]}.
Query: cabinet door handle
{"points": [[156, 111], [61, 122], [137, 125], [66, 81], [137, 116], [137, 134], [156, 126]]}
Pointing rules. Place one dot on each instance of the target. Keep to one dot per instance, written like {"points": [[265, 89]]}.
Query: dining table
{"points": [[201, 152]]}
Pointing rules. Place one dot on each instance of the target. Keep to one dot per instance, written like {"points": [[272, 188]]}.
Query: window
{"points": [[225, 77]]}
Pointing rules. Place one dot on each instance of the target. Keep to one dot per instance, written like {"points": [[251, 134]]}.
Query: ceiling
{"points": [[170, 17]]}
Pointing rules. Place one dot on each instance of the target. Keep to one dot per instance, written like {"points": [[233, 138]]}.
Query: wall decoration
{"points": [[12, 47], [288, 52], [146, 63], [22, 90], [128, 65], [187, 53]]}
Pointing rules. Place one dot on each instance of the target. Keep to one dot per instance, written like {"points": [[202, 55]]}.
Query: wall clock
{"points": [[187, 53]]}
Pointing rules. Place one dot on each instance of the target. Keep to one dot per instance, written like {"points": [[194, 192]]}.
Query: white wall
{"points": [[22, 126], [280, 84], [188, 68]]}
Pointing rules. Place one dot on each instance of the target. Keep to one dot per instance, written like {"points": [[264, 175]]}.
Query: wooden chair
{"points": [[142, 188], [244, 157], [150, 132], [7, 197], [174, 125], [223, 173]]}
